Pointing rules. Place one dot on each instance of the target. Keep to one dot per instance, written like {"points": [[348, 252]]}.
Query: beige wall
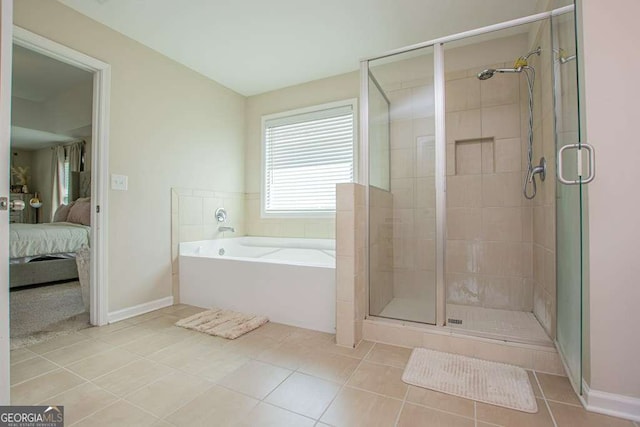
{"points": [[610, 32], [344, 86], [169, 127]]}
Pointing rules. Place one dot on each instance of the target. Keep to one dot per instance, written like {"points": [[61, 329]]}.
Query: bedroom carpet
{"points": [[223, 323], [40, 314]]}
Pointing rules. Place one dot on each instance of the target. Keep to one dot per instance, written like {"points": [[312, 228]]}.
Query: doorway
{"points": [[98, 207], [51, 175]]}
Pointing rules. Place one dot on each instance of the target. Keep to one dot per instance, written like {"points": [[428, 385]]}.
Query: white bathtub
{"points": [[291, 281]]}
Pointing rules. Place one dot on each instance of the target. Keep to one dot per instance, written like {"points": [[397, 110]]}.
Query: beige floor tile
{"points": [[20, 355], [182, 353], [418, 416], [75, 352], [131, 377], [286, 355], [102, 363], [251, 345], [264, 415], [30, 368], [276, 331], [359, 352], [442, 401], [187, 310], [43, 387], [218, 406], [254, 378], [169, 393], [390, 355], [215, 365], [355, 408], [332, 367], [534, 384], [58, 342], [304, 394], [98, 331], [173, 308], [557, 388], [381, 379], [573, 416], [311, 339], [508, 417], [81, 401], [143, 317], [159, 323], [125, 335], [152, 343], [121, 414]]}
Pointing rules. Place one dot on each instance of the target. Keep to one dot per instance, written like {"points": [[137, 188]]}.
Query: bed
{"points": [[40, 253]]}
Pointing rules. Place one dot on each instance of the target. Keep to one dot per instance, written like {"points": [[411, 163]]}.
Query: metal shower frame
{"points": [[440, 159]]}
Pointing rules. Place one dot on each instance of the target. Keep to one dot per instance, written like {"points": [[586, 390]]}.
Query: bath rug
{"points": [[222, 323], [488, 382]]}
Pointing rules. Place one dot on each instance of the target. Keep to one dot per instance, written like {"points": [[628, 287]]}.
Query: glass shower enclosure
{"points": [[469, 229]]}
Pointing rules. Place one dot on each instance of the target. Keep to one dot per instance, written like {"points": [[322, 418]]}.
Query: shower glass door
{"points": [[570, 198], [402, 196]]}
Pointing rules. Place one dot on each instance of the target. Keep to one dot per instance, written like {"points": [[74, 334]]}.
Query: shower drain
{"points": [[454, 321]]}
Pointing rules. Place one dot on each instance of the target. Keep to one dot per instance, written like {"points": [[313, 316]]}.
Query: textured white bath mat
{"points": [[223, 323], [489, 382]]}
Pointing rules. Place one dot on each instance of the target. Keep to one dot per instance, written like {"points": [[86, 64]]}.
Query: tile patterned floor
{"points": [[146, 372]]}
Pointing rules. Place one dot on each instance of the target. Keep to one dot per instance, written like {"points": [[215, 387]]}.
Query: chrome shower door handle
{"points": [[592, 164]]}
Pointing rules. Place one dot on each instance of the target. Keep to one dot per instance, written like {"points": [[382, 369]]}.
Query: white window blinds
{"points": [[305, 156]]}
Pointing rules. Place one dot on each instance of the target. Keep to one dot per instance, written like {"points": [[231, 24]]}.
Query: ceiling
{"points": [[32, 139], [37, 77], [255, 46]]}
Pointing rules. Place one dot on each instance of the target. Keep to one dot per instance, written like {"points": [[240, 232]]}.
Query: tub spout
{"points": [[225, 228]]}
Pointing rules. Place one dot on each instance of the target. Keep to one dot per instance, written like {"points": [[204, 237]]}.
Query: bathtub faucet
{"points": [[225, 228]]}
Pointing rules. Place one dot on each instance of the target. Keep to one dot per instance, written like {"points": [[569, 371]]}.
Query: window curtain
{"points": [[74, 155], [57, 170]]}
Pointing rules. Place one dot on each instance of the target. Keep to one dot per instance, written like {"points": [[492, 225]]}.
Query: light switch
{"points": [[119, 182]]}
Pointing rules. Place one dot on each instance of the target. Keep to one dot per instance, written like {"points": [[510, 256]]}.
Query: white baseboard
{"points": [[616, 405], [139, 309]]}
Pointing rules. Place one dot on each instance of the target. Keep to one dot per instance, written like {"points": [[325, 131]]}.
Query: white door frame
{"points": [[99, 159], [6, 18]]}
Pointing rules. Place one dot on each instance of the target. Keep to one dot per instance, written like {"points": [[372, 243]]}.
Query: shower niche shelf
{"points": [[474, 156]]}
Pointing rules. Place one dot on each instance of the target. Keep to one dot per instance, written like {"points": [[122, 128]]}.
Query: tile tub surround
{"points": [[192, 219], [351, 276], [275, 375]]}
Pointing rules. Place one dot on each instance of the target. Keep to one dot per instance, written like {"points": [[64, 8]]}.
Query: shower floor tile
{"points": [[493, 323], [411, 309]]}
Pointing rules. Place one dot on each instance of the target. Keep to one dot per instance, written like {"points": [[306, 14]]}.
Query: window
{"points": [[306, 153], [66, 184]]}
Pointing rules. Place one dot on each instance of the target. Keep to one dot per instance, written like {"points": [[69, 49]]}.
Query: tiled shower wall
{"points": [[489, 258], [544, 204], [412, 174], [380, 249]]}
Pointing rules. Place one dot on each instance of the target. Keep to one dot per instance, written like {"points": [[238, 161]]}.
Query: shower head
{"points": [[486, 74], [489, 72]]}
